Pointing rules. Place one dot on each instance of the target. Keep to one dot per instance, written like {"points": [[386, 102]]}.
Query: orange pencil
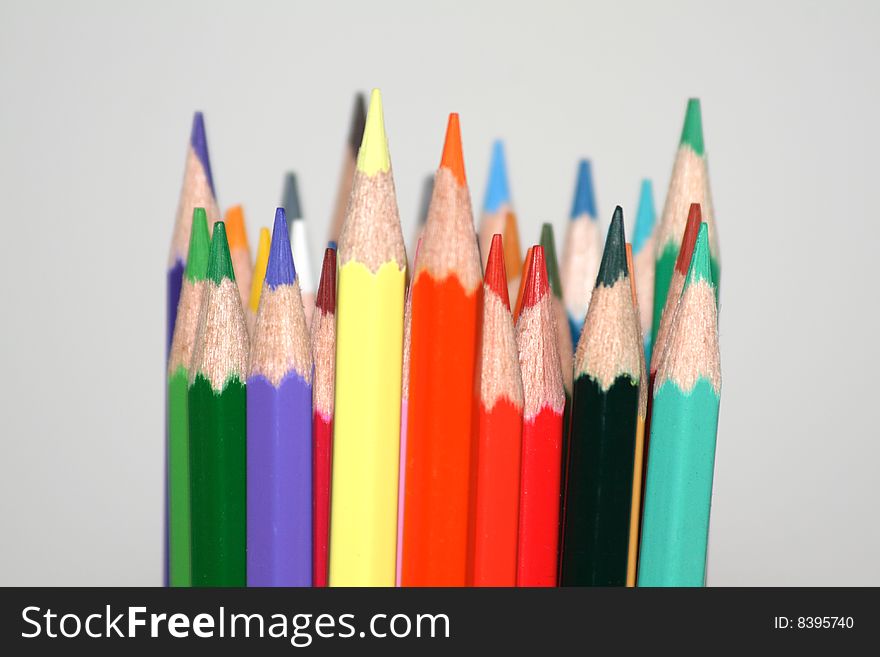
{"points": [[544, 404], [499, 434], [444, 331], [239, 251]]}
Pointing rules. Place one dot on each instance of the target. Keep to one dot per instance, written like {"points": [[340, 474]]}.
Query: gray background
{"points": [[95, 108]]}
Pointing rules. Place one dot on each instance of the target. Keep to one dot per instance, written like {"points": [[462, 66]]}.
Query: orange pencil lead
{"points": [[453, 159]]}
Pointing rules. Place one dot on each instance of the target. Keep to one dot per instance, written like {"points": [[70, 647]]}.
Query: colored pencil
{"points": [[445, 317], [499, 435], [683, 434], [179, 573], [689, 184], [513, 259], [644, 260], [581, 251], [259, 275], [543, 406], [239, 251], [279, 428], [603, 428], [299, 241], [496, 202], [369, 352], [323, 340], [638, 461], [522, 283], [404, 408], [217, 402], [349, 161], [197, 191]]}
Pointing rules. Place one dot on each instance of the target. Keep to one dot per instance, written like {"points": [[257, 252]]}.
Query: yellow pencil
{"points": [[369, 348], [259, 275]]}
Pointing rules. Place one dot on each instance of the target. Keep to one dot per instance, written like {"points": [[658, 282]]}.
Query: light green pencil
{"points": [[684, 422]]}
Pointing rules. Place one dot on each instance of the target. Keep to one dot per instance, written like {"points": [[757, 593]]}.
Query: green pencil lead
{"points": [[549, 243], [692, 132], [199, 243], [700, 268], [613, 265], [219, 261]]}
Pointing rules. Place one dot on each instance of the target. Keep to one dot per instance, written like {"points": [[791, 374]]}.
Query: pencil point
{"points": [[373, 155], [358, 121], [496, 274], [262, 261], [219, 261], [613, 266], [453, 159], [326, 297], [692, 132], [701, 264], [548, 243], [199, 244], [584, 199], [498, 189], [290, 198], [236, 233], [691, 229], [537, 284], [198, 140], [646, 216], [280, 269]]}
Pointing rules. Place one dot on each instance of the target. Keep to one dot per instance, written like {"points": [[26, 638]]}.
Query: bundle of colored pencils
{"points": [[405, 423]]}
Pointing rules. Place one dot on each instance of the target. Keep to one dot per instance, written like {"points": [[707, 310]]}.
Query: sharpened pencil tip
{"points": [[199, 244], [290, 197], [358, 121], [692, 131], [548, 243], [701, 265], [198, 141], [326, 297], [373, 155], [236, 233], [646, 216], [537, 284], [584, 200], [496, 274], [498, 189], [219, 260], [263, 244], [695, 217], [613, 266], [453, 158], [280, 269]]}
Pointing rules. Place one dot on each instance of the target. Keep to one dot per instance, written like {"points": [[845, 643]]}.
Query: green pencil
{"points": [[689, 184], [601, 450], [687, 391], [178, 380], [217, 426]]}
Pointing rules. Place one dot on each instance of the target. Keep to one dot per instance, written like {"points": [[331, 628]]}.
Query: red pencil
{"points": [[499, 434], [544, 403], [324, 353], [517, 307]]}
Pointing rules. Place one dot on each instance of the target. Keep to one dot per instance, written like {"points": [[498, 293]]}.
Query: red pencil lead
{"points": [[452, 152], [496, 274], [695, 218], [537, 283], [326, 296]]}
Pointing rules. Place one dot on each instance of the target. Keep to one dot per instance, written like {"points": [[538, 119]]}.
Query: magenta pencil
{"points": [[279, 423]]}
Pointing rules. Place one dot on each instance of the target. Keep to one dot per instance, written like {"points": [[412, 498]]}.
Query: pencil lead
{"points": [[199, 244], [692, 131], [453, 159], [373, 155], [536, 285], [236, 234], [498, 189], [695, 217], [259, 276], [584, 199], [646, 216], [290, 198], [496, 274], [548, 243], [613, 265], [280, 269], [358, 122], [219, 260], [700, 266], [326, 297], [198, 140]]}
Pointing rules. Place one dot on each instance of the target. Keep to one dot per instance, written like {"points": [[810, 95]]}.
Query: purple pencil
{"points": [[279, 440]]}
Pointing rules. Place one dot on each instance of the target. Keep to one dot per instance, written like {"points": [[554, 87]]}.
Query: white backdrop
{"points": [[95, 107]]}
